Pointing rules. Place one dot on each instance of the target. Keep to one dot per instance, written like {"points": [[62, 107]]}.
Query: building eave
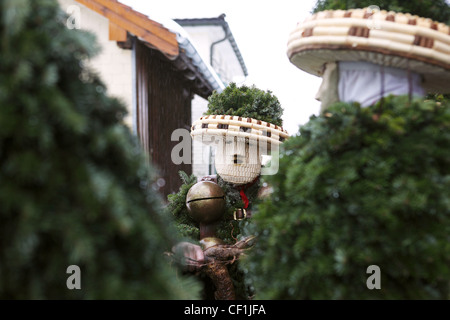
{"points": [[217, 21], [162, 36], [126, 18]]}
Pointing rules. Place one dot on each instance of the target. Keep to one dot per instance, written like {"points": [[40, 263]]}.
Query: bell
{"points": [[205, 202]]}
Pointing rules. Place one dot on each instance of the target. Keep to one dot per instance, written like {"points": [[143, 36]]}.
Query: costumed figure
{"points": [[215, 206]]}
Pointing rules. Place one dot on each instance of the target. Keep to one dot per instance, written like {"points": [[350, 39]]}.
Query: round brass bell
{"points": [[205, 202]]}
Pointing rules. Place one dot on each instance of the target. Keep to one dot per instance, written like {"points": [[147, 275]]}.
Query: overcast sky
{"points": [[261, 29]]}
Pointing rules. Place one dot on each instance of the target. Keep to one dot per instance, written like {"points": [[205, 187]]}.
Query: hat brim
{"points": [[212, 127], [332, 36]]}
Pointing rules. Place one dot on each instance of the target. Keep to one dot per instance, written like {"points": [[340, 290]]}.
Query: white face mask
{"points": [[328, 90], [238, 161]]}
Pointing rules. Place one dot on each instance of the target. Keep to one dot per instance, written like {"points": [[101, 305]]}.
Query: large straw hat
{"points": [[392, 39], [246, 139], [211, 127]]}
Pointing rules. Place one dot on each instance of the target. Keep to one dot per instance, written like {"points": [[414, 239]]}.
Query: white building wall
{"points": [[200, 152], [201, 37], [225, 64], [113, 64]]}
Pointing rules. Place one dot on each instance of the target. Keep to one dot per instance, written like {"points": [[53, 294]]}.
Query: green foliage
{"points": [[244, 101], [75, 188], [185, 225], [359, 187], [437, 10]]}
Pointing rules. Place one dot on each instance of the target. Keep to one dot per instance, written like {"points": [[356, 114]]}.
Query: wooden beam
{"points": [[140, 20], [165, 41], [117, 33]]}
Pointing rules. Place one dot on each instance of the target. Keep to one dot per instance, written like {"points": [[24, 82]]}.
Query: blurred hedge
{"points": [[359, 187], [75, 188]]}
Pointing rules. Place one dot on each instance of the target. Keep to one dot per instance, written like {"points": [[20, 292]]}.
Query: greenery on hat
{"points": [[437, 10], [358, 187], [244, 101]]}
